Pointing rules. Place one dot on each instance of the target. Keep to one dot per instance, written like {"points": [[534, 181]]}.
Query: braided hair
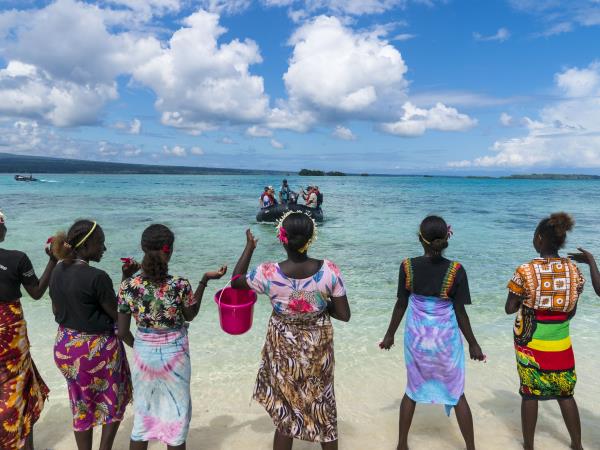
{"points": [[64, 243], [554, 229], [433, 234], [157, 244]]}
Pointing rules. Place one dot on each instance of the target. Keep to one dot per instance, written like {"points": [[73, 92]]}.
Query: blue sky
{"points": [[380, 86]]}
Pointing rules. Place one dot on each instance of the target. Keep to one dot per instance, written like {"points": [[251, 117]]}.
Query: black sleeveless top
{"points": [[434, 277]]}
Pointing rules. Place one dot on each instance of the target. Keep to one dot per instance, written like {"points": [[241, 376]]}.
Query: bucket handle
{"points": [[235, 277]]}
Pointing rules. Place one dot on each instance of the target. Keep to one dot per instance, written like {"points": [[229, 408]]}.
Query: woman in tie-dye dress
{"points": [[433, 292], [160, 304], [544, 293], [295, 378]]}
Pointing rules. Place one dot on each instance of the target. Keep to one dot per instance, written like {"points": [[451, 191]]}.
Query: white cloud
{"points": [[506, 119], [29, 92], [560, 16], [132, 152], [302, 8], [567, 133], [335, 70], [227, 141], [343, 133], [256, 131], [416, 121], [65, 85], [176, 151], [276, 144], [135, 127], [404, 37], [201, 83], [501, 35], [198, 151], [225, 6]]}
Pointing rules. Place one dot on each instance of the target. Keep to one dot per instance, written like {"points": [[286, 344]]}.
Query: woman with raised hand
{"points": [[87, 351], [585, 257], [295, 379], [433, 292], [22, 390], [544, 294], [161, 304]]}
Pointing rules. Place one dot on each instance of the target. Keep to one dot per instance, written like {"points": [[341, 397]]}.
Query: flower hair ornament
{"points": [[282, 232], [449, 234], [2, 218]]}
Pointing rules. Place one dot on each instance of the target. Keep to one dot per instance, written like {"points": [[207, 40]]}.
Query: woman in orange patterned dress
{"points": [[544, 293], [22, 390]]}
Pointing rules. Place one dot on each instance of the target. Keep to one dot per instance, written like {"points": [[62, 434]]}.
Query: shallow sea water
{"points": [[371, 225]]}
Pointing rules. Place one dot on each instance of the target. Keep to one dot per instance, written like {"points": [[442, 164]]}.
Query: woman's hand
{"points": [[130, 267], [251, 241], [584, 256], [476, 353], [217, 274], [387, 342]]}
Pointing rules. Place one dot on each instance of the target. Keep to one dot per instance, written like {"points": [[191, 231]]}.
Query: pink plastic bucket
{"points": [[236, 309]]}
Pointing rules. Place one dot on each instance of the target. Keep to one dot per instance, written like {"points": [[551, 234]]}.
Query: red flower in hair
{"points": [[50, 240], [166, 249], [282, 235]]}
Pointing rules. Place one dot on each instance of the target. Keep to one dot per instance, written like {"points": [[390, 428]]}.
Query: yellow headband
{"points": [[86, 237], [423, 239]]}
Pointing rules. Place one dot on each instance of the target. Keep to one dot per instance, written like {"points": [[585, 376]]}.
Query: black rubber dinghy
{"points": [[274, 213]]}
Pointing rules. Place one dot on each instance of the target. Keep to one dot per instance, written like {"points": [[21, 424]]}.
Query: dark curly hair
{"points": [[63, 243], [554, 229], [299, 228], [434, 230], [155, 240]]}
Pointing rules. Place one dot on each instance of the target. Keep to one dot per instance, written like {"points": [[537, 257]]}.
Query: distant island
{"points": [[319, 173], [551, 176], [19, 164]]}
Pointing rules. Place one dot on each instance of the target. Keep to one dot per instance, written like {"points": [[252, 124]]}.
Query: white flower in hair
{"points": [[2, 217]]}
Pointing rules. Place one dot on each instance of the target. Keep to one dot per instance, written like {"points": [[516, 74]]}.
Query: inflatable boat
{"points": [[25, 178], [274, 213]]}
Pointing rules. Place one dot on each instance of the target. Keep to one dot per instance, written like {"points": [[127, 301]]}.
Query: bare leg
{"points": [[333, 445], [29, 441], [177, 447], [465, 422], [138, 445], [407, 410], [84, 439], [570, 413], [529, 413], [282, 442], [109, 432]]}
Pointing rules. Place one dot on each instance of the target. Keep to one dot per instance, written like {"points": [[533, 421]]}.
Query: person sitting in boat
{"points": [[272, 196], [265, 199], [310, 197], [286, 195]]}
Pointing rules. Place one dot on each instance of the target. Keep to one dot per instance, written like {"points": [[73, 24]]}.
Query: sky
{"points": [[377, 86]]}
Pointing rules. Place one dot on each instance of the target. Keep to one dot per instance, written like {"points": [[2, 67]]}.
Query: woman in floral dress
{"points": [[161, 304], [295, 378]]}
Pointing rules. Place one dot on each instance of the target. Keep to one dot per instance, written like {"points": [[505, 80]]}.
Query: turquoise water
{"points": [[371, 225]]}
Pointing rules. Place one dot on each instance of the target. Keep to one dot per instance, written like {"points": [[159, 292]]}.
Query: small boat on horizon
{"points": [[25, 178]]}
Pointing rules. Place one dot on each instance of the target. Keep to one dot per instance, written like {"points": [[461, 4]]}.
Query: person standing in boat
{"points": [[295, 378], [22, 390], [286, 195], [310, 197]]}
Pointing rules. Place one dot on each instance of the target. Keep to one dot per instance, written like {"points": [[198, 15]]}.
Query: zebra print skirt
{"points": [[295, 379]]}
